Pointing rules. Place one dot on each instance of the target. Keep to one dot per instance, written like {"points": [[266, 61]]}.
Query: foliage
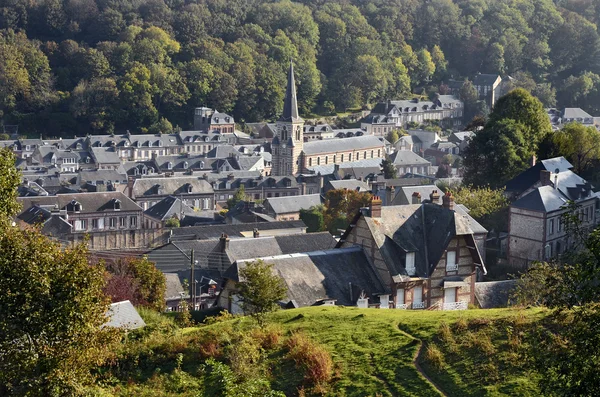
{"points": [[389, 169], [577, 143], [392, 136], [172, 222], [444, 171], [136, 280], [9, 180], [314, 360], [259, 289], [488, 206], [313, 218], [508, 141], [342, 205], [53, 309], [238, 196]]}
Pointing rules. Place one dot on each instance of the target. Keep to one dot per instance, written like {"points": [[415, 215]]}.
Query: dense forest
{"points": [[88, 66]]}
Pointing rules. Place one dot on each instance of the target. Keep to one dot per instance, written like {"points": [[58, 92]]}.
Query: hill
{"points": [[373, 353]]}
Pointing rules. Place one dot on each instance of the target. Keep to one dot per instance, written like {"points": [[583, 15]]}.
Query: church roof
{"points": [[290, 105]]}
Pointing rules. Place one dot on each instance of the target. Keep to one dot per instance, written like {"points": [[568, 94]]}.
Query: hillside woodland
{"points": [[88, 66]]}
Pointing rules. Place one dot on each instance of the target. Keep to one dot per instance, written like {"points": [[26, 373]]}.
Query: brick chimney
{"points": [[375, 207], [224, 241], [434, 197], [416, 198], [448, 201], [255, 233], [545, 177]]}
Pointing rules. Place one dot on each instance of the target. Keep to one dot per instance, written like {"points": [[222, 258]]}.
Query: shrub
{"points": [[445, 333], [460, 324], [312, 357], [268, 337], [434, 356], [224, 315]]}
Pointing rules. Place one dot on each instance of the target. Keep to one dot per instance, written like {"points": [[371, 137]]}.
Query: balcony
{"points": [[452, 268], [402, 306], [463, 305], [418, 305]]}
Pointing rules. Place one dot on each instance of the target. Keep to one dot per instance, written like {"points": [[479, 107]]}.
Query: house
{"points": [[531, 178], [173, 207], [288, 208], [328, 277], [461, 139], [208, 232], [195, 192], [248, 212], [348, 184], [105, 158], [256, 187], [317, 132], [206, 119], [124, 316], [407, 162], [489, 88], [536, 228], [424, 254], [205, 294], [111, 219], [572, 115]]}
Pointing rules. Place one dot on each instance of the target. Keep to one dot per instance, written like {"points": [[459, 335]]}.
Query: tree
{"points": [[238, 196], [392, 136], [162, 126], [486, 205], [425, 66], [10, 178], [313, 218], [172, 222], [137, 280], [260, 289], [389, 169], [342, 206], [444, 171], [578, 144]]}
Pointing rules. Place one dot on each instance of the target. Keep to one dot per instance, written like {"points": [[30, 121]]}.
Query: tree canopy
{"points": [[117, 65], [260, 289]]}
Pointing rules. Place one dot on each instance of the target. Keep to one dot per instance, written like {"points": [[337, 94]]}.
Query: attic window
{"points": [[117, 205], [189, 188], [169, 165], [185, 164], [74, 205], [410, 264], [160, 143]]}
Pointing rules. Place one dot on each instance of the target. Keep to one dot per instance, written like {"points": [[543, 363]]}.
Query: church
{"points": [[293, 156]]}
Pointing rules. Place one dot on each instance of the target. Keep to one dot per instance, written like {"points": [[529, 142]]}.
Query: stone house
{"points": [[207, 119], [425, 254], [408, 162]]}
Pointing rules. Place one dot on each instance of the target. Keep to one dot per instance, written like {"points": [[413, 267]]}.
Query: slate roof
{"points": [[123, 315], [101, 176], [305, 242], [543, 199], [350, 184], [215, 231], [494, 294], [407, 157], [171, 185], [290, 204], [343, 144], [174, 288], [404, 194], [575, 113], [485, 79], [290, 103], [531, 176], [103, 155], [90, 202], [458, 137], [340, 274], [372, 165], [168, 207], [155, 140]]}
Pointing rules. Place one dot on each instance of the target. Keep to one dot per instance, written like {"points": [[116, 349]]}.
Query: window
{"points": [[113, 222], [318, 160], [123, 221], [378, 152], [558, 225], [98, 223], [451, 264], [310, 162], [133, 221], [551, 227], [334, 158], [342, 158], [81, 224], [410, 263], [350, 157]]}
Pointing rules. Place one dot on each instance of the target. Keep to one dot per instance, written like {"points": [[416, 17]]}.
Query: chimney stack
{"points": [[130, 188], [448, 201], [434, 197], [224, 240], [255, 233], [416, 198], [545, 177], [376, 207]]}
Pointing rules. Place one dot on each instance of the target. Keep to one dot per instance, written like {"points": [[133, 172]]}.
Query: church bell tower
{"points": [[287, 145]]}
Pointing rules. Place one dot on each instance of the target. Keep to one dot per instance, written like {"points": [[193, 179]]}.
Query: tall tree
{"points": [[260, 289]]}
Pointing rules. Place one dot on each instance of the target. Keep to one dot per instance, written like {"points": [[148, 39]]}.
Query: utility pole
{"points": [[192, 280]]}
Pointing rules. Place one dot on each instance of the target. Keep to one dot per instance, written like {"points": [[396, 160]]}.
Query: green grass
{"points": [[372, 350]]}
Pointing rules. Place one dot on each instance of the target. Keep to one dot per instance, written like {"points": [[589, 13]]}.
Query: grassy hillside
{"points": [[473, 352]]}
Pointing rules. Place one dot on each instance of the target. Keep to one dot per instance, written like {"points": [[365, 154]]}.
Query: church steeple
{"points": [[290, 105]]}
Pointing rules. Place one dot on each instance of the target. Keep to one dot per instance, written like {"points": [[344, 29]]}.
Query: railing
{"points": [[418, 305], [402, 306], [455, 306], [452, 268]]}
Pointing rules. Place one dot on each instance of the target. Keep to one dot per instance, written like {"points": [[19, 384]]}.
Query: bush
{"points": [[312, 357], [434, 356]]}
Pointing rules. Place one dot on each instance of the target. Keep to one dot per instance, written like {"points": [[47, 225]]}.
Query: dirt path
{"points": [[416, 359]]}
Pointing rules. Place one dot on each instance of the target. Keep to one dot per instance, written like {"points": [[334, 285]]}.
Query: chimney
{"points": [[448, 201], [545, 177], [302, 188], [533, 160], [416, 198], [255, 233], [224, 241], [375, 207], [130, 188], [434, 197]]}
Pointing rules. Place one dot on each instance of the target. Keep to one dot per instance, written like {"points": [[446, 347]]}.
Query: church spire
{"points": [[290, 105]]}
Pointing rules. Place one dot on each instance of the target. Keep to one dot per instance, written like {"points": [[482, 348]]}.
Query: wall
{"points": [[526, 231]]}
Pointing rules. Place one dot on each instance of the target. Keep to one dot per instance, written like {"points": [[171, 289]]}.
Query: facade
{"points": [[288, 208], [206, 119], [425, 254], [489, 88], [194, 192]]}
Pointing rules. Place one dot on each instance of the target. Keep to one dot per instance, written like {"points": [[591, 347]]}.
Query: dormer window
{"points": [[189, 188], [185, 164], [169, 165], [75, 206], [117, 205], [409, 265], [149, 144], [160, 143]]}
